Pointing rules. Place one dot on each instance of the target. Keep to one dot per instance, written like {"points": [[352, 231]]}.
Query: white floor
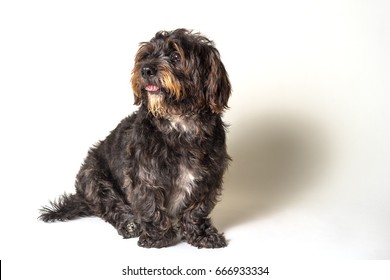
{"points": [[309, 133]]}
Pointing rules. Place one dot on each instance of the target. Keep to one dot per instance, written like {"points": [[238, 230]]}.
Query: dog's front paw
{"points": [[209, 240], [162, 240], [203, 235]]}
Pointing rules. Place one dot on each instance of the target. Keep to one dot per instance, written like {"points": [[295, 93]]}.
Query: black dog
{"points": [[159, 173]]}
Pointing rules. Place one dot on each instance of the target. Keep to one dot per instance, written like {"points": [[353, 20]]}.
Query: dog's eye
{"points": [[174, 57]]}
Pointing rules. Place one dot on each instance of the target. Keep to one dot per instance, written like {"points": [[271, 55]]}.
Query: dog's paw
{"points": [[129, 230], [161, 241], [212, 240], [148, 242]]}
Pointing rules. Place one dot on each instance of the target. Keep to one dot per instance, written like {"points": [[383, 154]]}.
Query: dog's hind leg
{"points": [[105, 199]]}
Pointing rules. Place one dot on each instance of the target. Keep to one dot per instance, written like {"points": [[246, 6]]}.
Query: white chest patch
{"points": [[183, 188], [183, 124]]}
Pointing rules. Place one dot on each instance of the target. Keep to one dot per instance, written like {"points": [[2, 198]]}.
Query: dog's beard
{"points": [[171, 84], [156, 105]]}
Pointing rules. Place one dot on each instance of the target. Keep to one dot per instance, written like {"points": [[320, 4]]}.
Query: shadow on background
{"points": [[275, 159]]}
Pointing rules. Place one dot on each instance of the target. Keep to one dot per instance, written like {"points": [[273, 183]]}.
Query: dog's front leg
{"points": [[157, 228], [198, 229]]}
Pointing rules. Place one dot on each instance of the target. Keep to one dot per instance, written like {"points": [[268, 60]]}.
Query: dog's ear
{"points": [[217, 84], [137, 98], [136, 76]]}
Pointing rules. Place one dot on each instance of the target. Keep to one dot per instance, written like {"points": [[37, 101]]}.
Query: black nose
{"points": [[148, 71]]}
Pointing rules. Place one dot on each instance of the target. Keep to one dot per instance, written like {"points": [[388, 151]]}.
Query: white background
{"points": [[308, 190]]}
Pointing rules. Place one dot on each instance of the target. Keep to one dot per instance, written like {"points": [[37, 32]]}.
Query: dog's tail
{"points": [[67, 207]]}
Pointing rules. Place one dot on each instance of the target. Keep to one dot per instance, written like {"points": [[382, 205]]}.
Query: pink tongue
{"points": [[151, 88]]}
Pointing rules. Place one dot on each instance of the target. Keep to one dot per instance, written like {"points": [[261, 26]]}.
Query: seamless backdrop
{"points": [[309, 130]]}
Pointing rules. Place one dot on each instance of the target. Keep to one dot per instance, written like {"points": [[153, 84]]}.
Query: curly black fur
{"points": [[159, 173]]}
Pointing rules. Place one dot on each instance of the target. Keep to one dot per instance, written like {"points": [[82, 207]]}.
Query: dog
{"points": [[159, 173]]}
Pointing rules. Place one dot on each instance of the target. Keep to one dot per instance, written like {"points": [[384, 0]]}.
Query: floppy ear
{"points": [[137, 99], [217, 85], [136, 90], [135, 79], [135, 84]]}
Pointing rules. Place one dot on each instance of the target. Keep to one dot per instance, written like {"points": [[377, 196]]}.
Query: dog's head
{"points": [[180, 72]]}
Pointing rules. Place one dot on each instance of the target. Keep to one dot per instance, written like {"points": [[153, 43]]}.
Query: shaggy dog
{"points": [[159, 173]]}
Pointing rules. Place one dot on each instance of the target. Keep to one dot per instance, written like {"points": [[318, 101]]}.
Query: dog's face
{"points": [[179, 72]]}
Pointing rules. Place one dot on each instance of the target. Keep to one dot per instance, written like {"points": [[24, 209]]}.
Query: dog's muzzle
{"points": [[148, 72]]}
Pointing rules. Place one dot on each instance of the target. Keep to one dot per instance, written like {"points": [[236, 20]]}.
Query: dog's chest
{"points": [[188, 168], [171, 160], [182, 188]]}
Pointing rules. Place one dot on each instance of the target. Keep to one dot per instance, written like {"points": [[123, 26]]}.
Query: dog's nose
{"points": [[148, 71]]}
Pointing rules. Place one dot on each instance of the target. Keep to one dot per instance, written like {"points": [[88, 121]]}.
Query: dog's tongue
{"points": [[151, 88]]}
